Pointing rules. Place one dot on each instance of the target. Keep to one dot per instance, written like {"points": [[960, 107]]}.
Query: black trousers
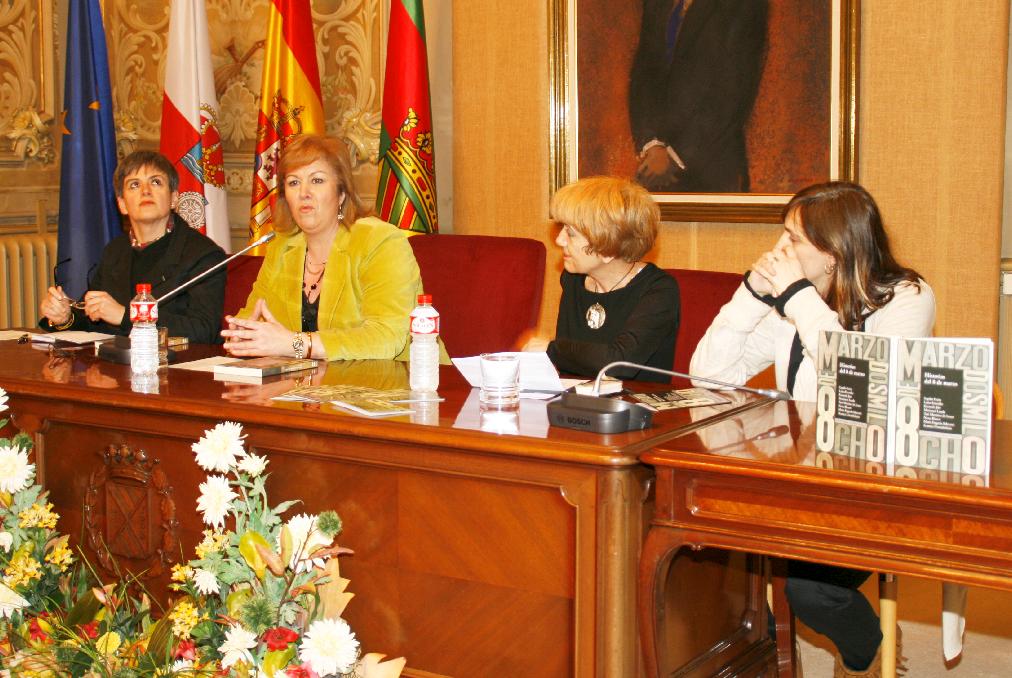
{"points": [[826, 599]]}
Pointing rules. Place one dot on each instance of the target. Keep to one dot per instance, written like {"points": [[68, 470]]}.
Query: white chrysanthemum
{"points": [[182, 666], [329, 647], [237, 646], [220, 446], [205, 581], [253, 464], [10, 601], [215, 495], [15, 471], [3, 400], [6, 540], [306, 539]]}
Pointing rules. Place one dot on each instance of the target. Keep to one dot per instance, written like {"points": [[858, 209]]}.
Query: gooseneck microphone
{"points": [[610, 415], [767, 392], [262, 240]]}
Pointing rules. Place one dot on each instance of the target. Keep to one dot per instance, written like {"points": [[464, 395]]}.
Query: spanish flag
{"points": [[406, 196], [290, 101]]}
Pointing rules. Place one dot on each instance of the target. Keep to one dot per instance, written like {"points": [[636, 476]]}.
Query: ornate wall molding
{"points": [[27, 81], [349, 52]]}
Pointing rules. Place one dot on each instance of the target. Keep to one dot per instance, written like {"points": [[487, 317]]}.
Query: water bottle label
{"points": [[424, 325], [143, 311]]}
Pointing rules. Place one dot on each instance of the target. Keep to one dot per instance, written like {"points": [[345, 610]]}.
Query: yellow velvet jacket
{"points": [[369, 288]]}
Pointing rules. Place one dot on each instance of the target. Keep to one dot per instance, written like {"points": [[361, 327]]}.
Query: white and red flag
{"points": [[190, 138]]}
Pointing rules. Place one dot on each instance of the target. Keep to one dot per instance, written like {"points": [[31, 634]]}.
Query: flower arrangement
{"points": [[262, 598], [33, 557]]}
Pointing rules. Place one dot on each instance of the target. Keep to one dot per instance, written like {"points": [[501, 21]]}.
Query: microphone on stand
{"points": [[117, 350], [609, 415], [262, 240]]}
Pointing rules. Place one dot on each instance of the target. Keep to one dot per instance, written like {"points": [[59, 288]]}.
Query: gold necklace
{"points": [[596, 314]]}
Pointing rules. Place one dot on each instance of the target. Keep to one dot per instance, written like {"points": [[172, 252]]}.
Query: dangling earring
{"points": [[830, 267], [340, 213]]}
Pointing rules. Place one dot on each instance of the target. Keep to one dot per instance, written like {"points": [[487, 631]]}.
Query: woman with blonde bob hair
{"points": [[614, 306], [337, 283], [831, 269]]}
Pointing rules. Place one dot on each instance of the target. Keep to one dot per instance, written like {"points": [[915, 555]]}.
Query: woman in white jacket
{"points": [[831, 269]]}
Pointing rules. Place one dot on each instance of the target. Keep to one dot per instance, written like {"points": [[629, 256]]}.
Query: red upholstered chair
{"points": [[487, 289], [703, 293], [242, 272]]}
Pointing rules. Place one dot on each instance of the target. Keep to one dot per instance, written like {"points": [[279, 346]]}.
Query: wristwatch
{"points": [[299, 345]]}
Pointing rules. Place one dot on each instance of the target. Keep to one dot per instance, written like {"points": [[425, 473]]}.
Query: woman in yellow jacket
{"points": [[335, 284]]}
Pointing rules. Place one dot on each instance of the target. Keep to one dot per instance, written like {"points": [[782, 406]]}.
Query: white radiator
{"points": [[26, 269]]}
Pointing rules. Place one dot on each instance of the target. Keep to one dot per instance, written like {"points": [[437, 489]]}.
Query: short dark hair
{"points": [[139, 159]]}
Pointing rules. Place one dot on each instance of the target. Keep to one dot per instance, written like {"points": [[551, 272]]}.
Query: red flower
{"points": [[186, 649], [89, 630], [35, 631], [301, 671], [278, 638]]}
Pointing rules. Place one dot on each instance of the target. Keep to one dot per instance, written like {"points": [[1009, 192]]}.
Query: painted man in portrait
{"points": [[692, 86]]}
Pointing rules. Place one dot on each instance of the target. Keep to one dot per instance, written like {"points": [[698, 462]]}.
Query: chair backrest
{"points": [[487, 289], [242, 273], [703, 293]]}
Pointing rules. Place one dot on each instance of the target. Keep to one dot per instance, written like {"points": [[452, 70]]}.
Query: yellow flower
{"points": [[21, 571], [60, 555], [184, 617], [181, 572], [38, 516], [212, 543]]}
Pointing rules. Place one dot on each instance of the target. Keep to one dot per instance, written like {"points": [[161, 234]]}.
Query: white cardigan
{"points": [[747, 335]]}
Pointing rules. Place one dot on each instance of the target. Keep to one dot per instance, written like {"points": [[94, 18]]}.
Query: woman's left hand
{"points": [[780, 266], [258, 335]]}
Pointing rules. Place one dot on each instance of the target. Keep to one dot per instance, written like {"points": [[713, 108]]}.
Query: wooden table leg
{"points": [[784, 620], [658, 549]]}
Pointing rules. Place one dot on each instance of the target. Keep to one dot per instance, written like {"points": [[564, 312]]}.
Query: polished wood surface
{"points": [[755, 483], [476, 553]]}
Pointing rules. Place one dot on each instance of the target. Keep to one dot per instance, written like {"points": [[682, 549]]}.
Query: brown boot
{"points": [[874, 670]]}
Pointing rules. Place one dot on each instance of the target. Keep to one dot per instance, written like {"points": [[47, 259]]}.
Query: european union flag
{"points": [[88, 215]]}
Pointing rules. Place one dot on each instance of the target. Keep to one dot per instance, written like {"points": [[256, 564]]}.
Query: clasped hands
{"points": [[258, 335], [97, 305], [777, 269]]}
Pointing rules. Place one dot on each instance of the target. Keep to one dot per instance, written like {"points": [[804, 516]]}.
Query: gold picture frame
{"points": [[841, 98]]}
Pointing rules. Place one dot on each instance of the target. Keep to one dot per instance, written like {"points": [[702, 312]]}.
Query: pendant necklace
{"points": [[596, 314], [308, 288]]}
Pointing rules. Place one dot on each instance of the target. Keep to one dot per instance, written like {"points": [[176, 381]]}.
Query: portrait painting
{"points": [[721, 108]]}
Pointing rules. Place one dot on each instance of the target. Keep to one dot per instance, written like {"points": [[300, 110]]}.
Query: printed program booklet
{"points": [[906, 402], [679, 398]]}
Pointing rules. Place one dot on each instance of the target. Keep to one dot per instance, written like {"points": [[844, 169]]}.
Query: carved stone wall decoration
{"points": [[26, 79], [349, 52], [129, 513]]}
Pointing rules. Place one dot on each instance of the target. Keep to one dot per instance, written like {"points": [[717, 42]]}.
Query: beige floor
{"points": [[987, 647]]}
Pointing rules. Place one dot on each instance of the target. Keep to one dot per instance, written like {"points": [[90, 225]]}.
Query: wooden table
{"points": [[477, 553], [756, 484]]}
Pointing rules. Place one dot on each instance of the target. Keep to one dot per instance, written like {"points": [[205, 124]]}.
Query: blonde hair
{"points": [[617, 217], [308, 148]]}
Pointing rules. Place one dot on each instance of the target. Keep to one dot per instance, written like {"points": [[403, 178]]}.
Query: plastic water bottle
{"points": [[144, 335], [424, 370]]}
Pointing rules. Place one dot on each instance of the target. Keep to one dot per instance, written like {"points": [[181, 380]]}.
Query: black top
{"points": [[640, 326], [195, 312], [310, 314]]}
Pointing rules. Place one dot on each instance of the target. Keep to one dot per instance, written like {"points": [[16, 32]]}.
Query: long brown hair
{"points": [[303, 150], [841, 219]]}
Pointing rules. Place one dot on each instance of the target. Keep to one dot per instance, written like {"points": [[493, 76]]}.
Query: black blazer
{"points": [[194, 313], [699, 103]]}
